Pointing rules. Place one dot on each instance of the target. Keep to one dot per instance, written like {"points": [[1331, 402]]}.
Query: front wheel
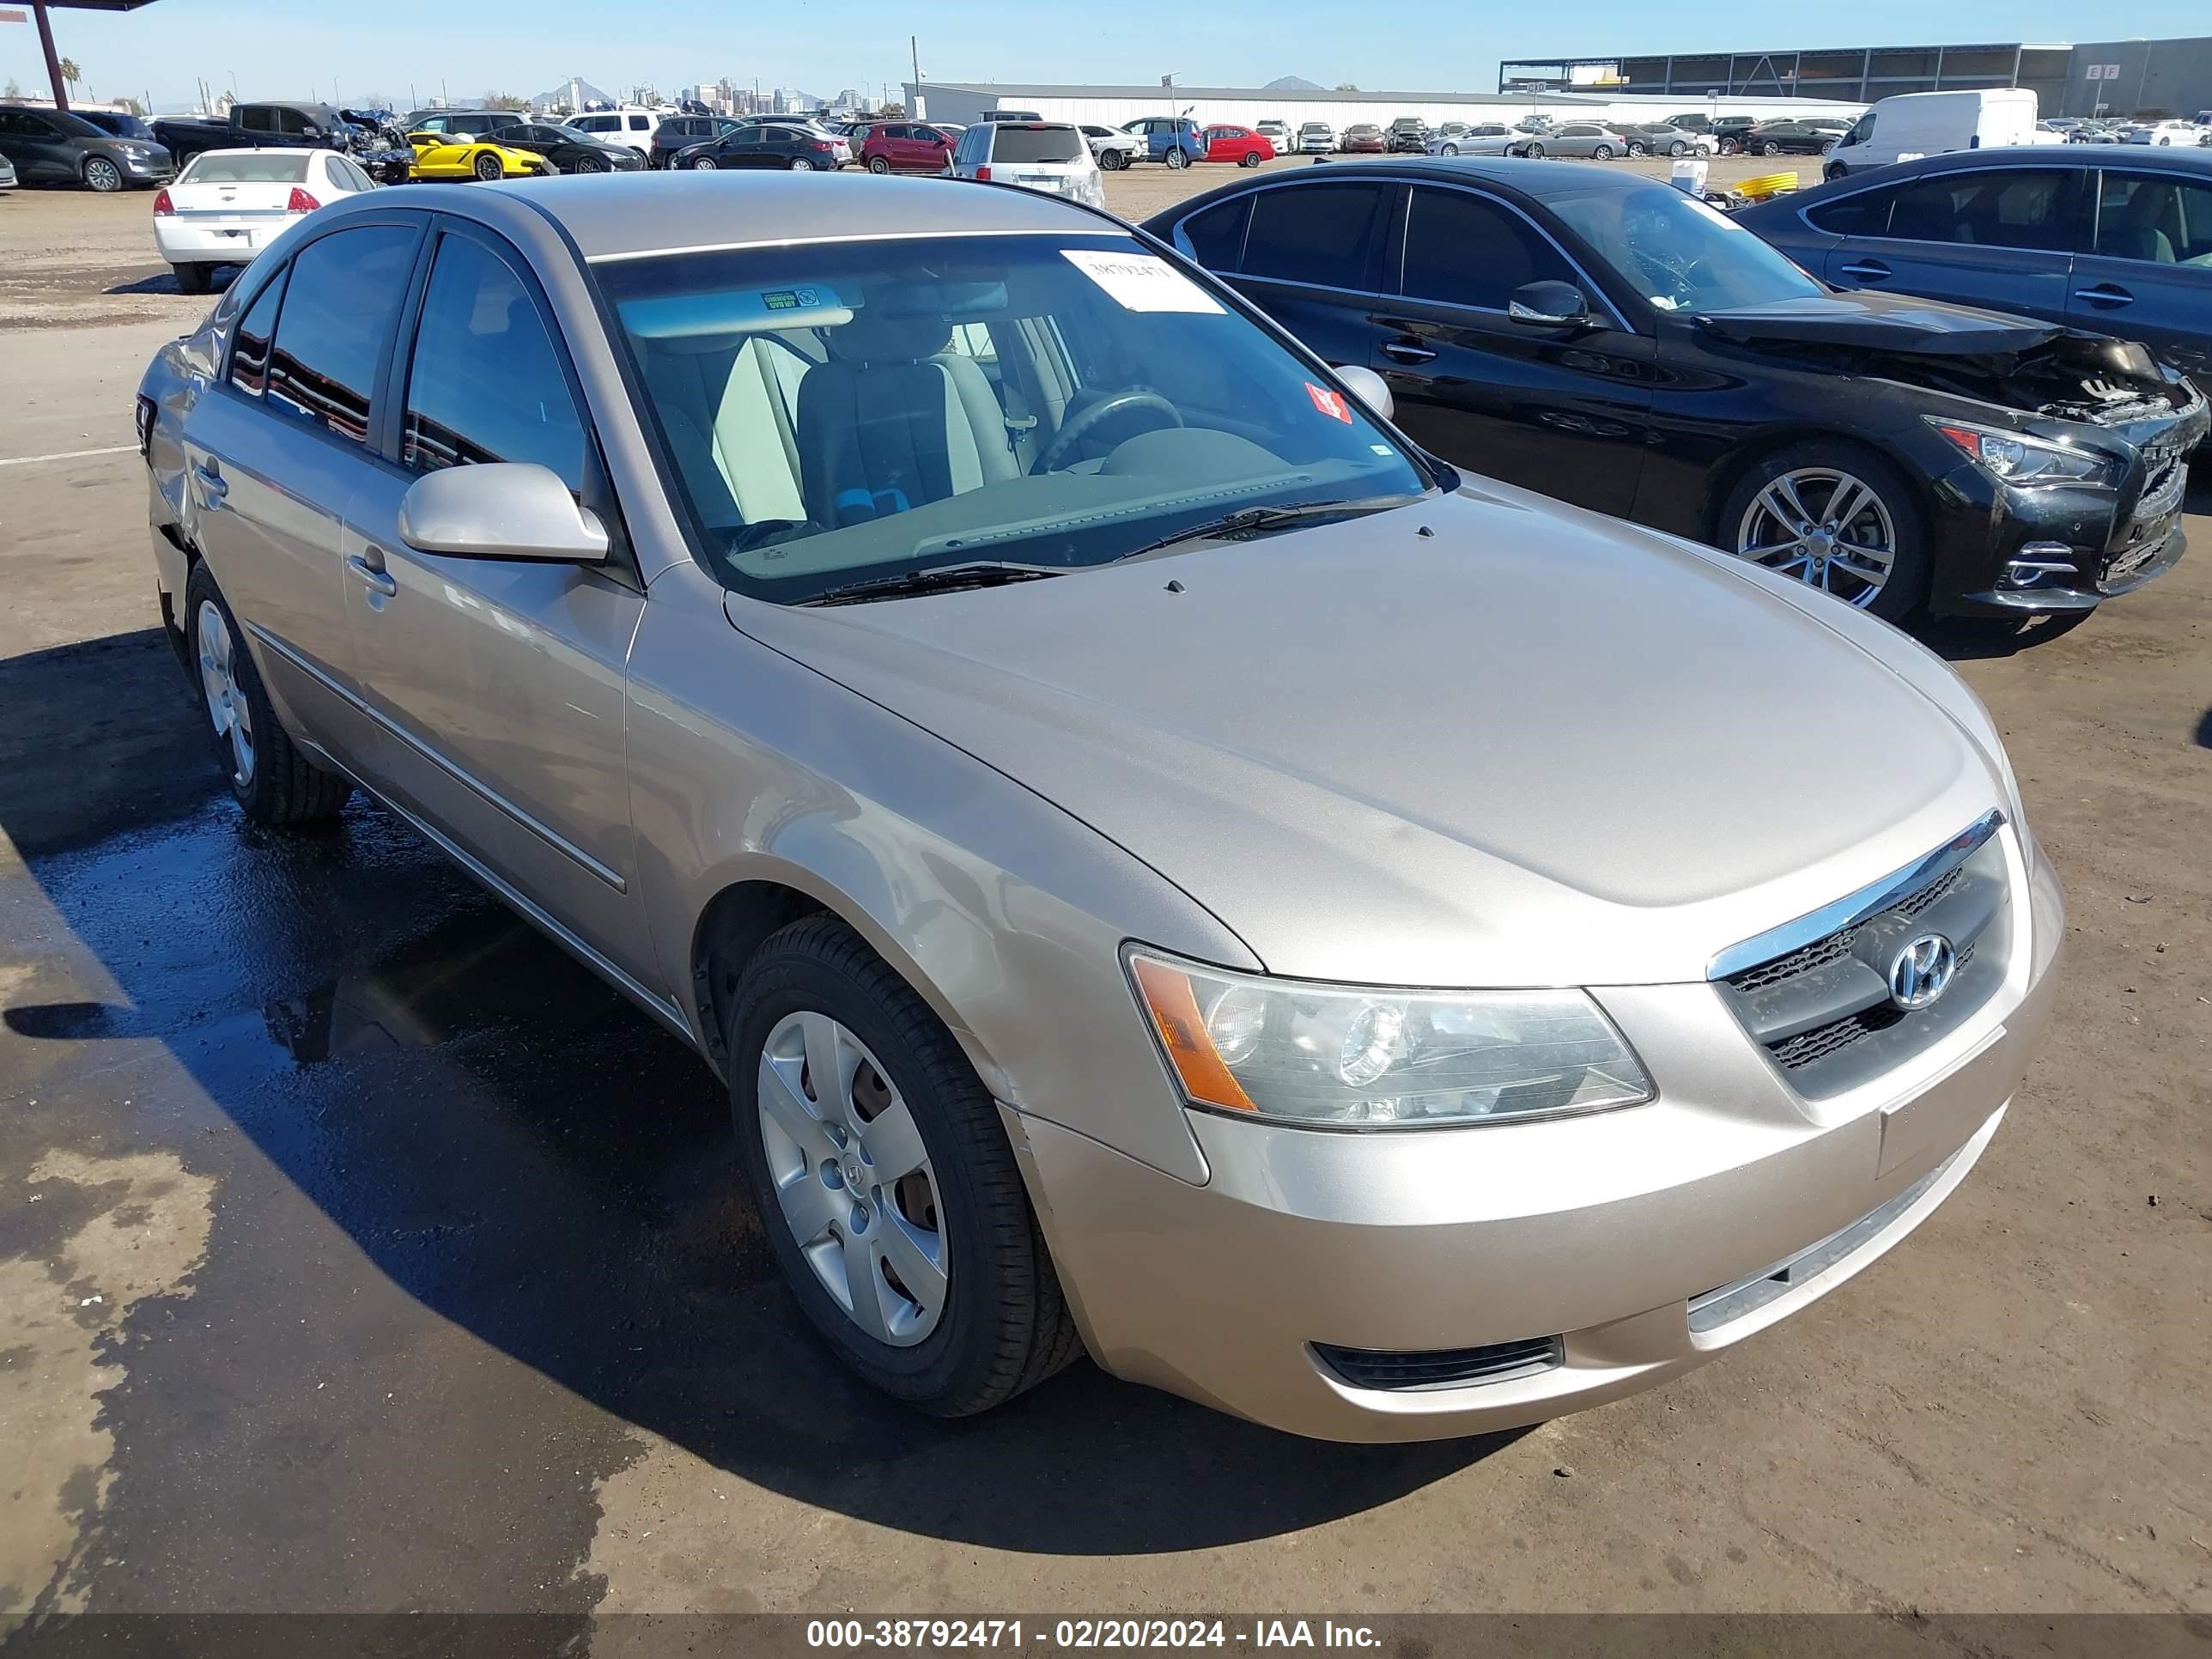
{"points": [[1834, 171], [1534, 150], [884, 1180], [1637, 150], [703, 164], [1450, 149], [1177, 160], [590, 164], [102, 175], [488, 168], [1834, 516], [272, 782]]}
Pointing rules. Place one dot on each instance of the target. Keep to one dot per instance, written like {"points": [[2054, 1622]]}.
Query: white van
{"points": [[626, 126], [1933, 123]]}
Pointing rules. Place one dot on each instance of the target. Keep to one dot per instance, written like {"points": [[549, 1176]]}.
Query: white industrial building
{"points": [[967, 101]]}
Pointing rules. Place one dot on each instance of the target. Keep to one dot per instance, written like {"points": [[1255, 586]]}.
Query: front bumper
{"points": [[1601, 1233]]}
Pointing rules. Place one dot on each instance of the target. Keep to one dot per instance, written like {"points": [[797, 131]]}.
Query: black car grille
{"points": [[1441, 1368], [1823, 1010]]}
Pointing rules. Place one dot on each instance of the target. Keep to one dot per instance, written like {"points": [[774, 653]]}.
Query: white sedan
{"points": [[229, 204]]}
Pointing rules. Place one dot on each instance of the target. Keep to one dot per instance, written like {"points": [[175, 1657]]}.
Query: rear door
{"points": [[497, 685], [1311, 258], [2146, 272], [2001, 238], [40, 153], [276, 450], [1564, 410]]}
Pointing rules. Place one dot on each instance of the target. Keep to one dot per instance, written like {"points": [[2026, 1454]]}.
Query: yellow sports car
{"points": [[459, 156]]}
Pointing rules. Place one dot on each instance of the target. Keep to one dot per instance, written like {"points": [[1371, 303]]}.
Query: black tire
{"points": [[1834, 171], [1451, 150], [1177, 159], [488, 167], [1678, 150], [1251, 159], [590, 164], [801, 164], [1829, 145], [1535, 151], [194, 279], [1730, 147], [1638, 148], [878, 164], [1601, 152], [1769, 148], [1905, 591], [702, 164], [102, 176], [1005, 1325], [284, 786]]}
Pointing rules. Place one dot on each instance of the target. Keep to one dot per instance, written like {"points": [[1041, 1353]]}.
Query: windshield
{"points": [[848, 411], [246, 167], [1679, 253]]}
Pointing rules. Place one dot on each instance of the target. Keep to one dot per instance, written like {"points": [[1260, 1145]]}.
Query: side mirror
{"points": [[1548, 305], [501, 510], [1368, 387]]}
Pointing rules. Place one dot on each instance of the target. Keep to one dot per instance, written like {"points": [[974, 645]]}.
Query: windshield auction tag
{"points": [[1141, 282], [1330, 402]]}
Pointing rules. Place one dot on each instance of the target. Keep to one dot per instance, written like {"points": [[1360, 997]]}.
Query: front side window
{"points": [[1320, 233], [485, 383], [340, 306], [1443, 224], [832, 417], [249, 353], [1681, 255], [2032, 211], [2164, 220], [295, 123]]}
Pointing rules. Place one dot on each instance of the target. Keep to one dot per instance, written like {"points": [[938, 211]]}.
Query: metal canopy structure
{"points": [[40, 8]]}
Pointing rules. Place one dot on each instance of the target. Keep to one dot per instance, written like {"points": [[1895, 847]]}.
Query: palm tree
{"points": [[71, 73]]}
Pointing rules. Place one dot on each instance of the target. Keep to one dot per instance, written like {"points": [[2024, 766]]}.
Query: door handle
{"points": [[369, 566], [1867, 270], [1407, 351], [2105, 294], [212, 487]]}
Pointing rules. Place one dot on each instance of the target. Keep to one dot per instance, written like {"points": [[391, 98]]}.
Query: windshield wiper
{"points": [[939, 579], [1257, 520]]}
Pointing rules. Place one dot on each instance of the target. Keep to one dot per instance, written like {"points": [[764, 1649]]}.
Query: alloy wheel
{"points": [[852, 1178], [1825, 527], [703, 164], [103, 175], [226, 701]]}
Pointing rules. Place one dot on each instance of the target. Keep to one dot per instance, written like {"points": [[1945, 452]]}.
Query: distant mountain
{"points": [[560, 94], [1292, 83]]}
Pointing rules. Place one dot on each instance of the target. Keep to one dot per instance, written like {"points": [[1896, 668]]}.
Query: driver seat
{"points": [[893, 420]]}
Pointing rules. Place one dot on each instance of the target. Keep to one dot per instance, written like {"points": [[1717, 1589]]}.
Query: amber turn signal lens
{"points": [[1174, 1010]]}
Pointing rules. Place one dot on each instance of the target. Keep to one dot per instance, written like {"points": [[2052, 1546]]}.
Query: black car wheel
{"points": [[702, 164], [1769, 148], [102, 175], [1730, 147], [801, 164], [489, 166], [1827, 144], [1835, 516], [590, 164]]}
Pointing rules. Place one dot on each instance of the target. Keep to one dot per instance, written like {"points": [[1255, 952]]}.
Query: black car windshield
{"points": [[848, 410], [1677, 252]]}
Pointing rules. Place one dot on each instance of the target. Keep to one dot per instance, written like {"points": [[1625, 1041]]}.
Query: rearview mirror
{"points": [[501, 510], [1368, 387], [1548, 305]]}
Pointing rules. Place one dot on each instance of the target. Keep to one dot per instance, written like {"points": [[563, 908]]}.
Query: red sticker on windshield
{"points": [[1329, 403]]}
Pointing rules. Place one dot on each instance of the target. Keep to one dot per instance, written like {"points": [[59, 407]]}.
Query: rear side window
{"points": [[1217, 235], [1037, 144], [1863, 214], [485, 383], [340, 305], [254, 118], [1323, 233], [639, 124], [1444, 224], [249, 355]]}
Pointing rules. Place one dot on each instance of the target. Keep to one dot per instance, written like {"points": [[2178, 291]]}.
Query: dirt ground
{"points": [[359, 1253]]}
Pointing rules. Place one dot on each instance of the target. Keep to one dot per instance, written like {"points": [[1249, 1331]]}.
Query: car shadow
{"points": [[507, 1140], [164, 280]]}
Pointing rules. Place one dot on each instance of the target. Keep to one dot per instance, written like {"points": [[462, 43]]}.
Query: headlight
{"points": [[1356, 1057], [2022, 460]]}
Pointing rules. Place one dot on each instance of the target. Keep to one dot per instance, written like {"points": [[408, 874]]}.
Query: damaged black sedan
{"points": [[1608, 340]]}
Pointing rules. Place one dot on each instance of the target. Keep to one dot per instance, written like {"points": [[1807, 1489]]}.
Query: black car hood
{"points": [[1881, 322]]}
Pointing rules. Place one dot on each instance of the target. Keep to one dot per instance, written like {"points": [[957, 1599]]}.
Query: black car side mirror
{"points": [[1548, 305]]}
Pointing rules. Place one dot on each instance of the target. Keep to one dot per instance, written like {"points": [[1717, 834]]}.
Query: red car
{"points": [[905, 147], [1246, 147]]}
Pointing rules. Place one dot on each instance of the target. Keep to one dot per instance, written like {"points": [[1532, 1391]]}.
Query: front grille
{"points": [[1823, 1010], [1441, 1368]]}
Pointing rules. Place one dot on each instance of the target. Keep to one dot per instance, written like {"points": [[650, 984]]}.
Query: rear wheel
{"points": [[102, 175], [1678, 150], [272, 780], [1769, 148], [884, 1180], [1834, 516], [1251, 159], [1601, 153], [488, 166], [801, 164], [1730, 147], [194, 279], [878, 164]]}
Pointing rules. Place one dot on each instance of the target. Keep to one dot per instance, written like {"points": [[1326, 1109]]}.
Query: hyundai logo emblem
{"points": [[1922, 971]]}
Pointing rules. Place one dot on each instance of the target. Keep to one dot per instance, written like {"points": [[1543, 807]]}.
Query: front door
{"points": [[2147, 275], [1565, 411], [498, 684], [274, 451]]}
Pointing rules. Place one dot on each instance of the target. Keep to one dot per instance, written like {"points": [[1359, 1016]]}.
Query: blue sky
{"points": [[527, 45]]}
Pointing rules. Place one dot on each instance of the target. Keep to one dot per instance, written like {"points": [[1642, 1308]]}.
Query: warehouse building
{"points": [[967, 101], [2118, 78]]}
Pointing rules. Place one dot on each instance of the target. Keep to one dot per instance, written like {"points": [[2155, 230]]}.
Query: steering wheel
{"points": [[1113, 403]]}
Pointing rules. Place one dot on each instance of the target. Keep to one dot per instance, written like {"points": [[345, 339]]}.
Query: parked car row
{"points": [[871, 648]]}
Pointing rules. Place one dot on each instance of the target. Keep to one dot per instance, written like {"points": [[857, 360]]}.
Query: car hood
{"points": [[1479, 740], [1879, 322]]}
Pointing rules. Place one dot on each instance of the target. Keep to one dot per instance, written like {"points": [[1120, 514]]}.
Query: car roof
{"points": [[616, 216]]}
